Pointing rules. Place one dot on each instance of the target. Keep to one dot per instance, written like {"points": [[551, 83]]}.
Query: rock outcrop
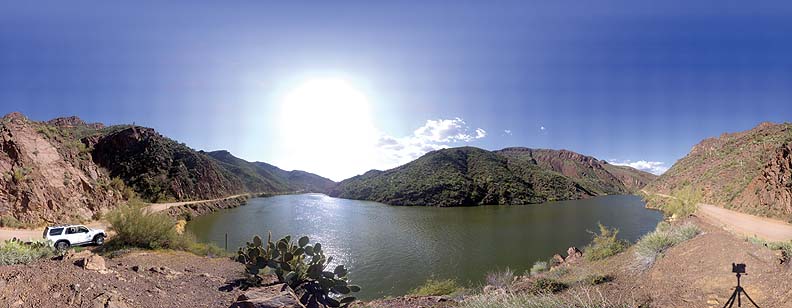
{"points": [[48, 176], [748, 171]]}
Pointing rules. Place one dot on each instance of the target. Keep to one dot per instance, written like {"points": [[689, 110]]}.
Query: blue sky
{"points": [[619, 80]]}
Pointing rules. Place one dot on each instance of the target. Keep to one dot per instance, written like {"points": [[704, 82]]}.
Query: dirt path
{"points": [[741, 223], [156, 207], [28, 234]]}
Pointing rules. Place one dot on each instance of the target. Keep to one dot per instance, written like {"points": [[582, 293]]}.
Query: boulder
{"points": [[573, 254], [72, 255], [557, 259], [94, 263], [274, 296]]}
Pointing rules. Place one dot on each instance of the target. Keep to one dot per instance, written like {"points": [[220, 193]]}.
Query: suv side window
{"points": [[82, 230], [71, 230], [55, 231]]}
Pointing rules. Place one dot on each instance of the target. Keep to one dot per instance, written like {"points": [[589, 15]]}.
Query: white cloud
{"points": [[507, 132], [434, 135], [655, 167], [450, 130]]}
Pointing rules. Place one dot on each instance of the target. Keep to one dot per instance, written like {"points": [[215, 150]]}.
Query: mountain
{"points": [[748, 171], [473, 176], [68, 170], [48, 175], [260, 176]]}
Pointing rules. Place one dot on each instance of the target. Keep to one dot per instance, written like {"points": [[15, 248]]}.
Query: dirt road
{"points": [[741, 223], [35, 234]]}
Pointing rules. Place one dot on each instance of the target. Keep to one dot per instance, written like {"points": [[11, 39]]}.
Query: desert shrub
{"points": [[595, 279], [538, 267], [784, 247], [8, 221], [557, 273], [301, 266], [500, 279], [434, 287], [547, 286], [584, 298], [136, 227], [684, 203], [17, 252], [652, 246], [605, 244]]}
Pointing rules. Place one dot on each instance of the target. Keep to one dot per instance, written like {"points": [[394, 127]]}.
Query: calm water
{"points": [[390, 250]]}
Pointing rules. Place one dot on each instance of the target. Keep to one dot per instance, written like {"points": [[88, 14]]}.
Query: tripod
{"points": [[737, 292]]}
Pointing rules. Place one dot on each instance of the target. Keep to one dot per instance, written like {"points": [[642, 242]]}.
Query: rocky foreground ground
{"points": [[696, 273]]}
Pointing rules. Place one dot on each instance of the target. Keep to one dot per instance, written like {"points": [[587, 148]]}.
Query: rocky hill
{"points": [[748, 171], [48, 176], [472, 176], [68, 170], [260, 176]]}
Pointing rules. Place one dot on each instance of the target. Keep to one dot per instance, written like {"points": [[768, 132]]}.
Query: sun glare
{"points": [[327, 122]]}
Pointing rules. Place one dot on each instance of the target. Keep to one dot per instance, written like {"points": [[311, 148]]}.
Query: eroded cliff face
{"points": [[47, 178], [747, 171], [771, 191]]}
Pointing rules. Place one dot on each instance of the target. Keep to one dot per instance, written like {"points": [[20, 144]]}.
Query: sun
{"points": [[326, 123]]}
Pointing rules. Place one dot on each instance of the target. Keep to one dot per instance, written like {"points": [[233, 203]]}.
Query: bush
{"points": [[17, 252], [500, 279], [652, 246], [538, 267], [8, 221], [136, 227], [605, 244], [547, 286], [784, 247], [434, 287], [299, 265], [595, 279]]}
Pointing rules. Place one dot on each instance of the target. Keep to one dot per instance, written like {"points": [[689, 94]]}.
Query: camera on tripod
{"points": [[738, 268]]}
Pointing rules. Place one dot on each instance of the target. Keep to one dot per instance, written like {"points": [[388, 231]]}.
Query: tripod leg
{"points": [[729, 303], [739, 301], [750, 299]]}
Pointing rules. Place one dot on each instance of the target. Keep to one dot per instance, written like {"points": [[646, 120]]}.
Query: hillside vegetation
{"points": [[472, 176], [749, 171], [66, 170]]}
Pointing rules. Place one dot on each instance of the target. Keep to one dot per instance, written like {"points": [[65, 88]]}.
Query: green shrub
{"points": [[136, 227], [434, 287], [605, 244], [299, 265], [784, 247], [500, 279], [538, 267], [595, 279], [547, 286], [8, 221], [17, 252], [652, 246]]}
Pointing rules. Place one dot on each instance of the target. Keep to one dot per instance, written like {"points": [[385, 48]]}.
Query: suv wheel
{"points": [[62, 245], [99, 239]]}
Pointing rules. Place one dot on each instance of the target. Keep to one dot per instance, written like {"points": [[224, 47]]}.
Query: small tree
{"points": [[301, 266], [605, 244]]}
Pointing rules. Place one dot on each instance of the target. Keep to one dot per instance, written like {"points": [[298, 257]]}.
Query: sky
{"points": [[338, 88]]}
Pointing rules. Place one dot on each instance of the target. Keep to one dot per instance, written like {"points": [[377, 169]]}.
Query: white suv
{"points": [[65, 236]]}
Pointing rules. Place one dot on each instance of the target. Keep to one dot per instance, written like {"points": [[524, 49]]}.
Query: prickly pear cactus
{"points": [[300, 265]]}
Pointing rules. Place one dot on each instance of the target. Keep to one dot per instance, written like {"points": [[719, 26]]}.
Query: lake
{"points": [[390, 250]]}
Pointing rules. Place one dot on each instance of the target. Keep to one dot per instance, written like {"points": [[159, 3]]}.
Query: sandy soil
{"points": [[180, 280], [697, 273]]}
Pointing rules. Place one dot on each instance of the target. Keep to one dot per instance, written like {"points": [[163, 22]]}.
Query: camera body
{"points": [[738, 268]]}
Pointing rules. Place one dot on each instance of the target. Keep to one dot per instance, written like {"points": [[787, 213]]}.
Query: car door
{"points": [[71, 235], [84, 234]]}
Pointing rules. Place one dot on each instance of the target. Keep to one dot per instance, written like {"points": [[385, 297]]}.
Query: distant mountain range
{"points": [[66, 169], [748, 171], [473, 176]]}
